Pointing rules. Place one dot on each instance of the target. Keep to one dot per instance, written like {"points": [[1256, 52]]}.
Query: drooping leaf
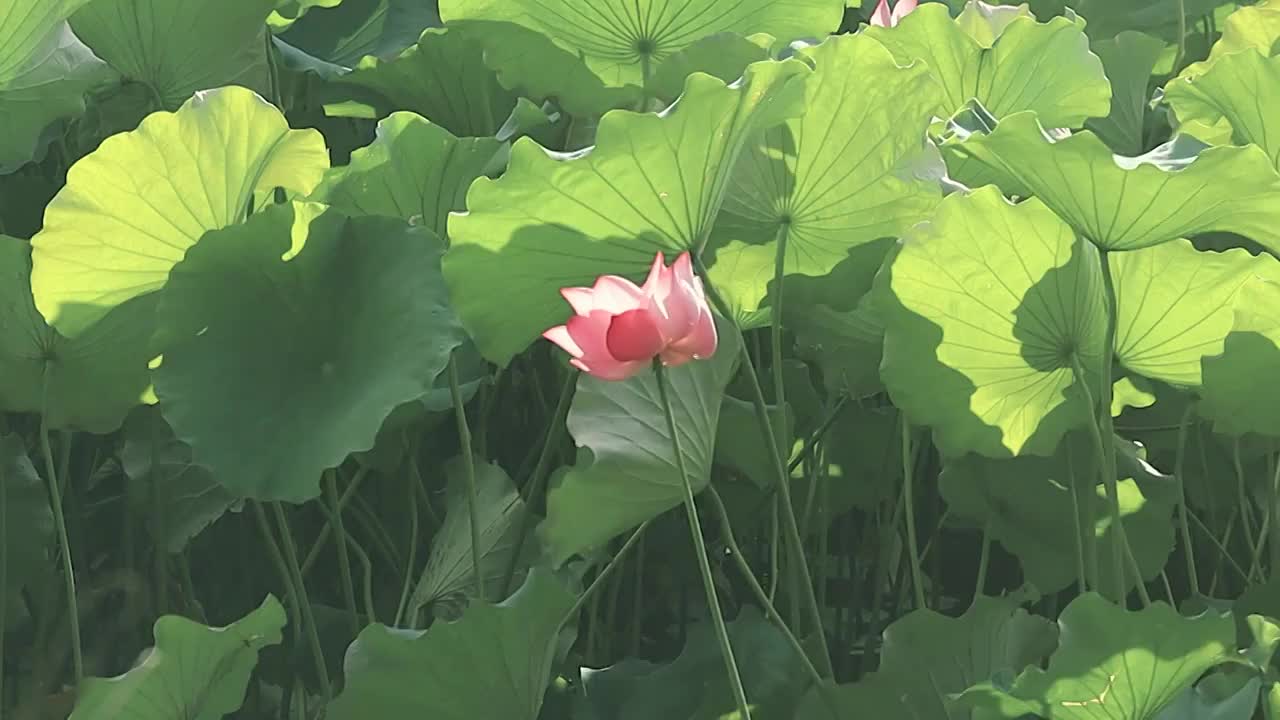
{"points": [[180, 47], [1175, 305], [280, 380], [1198, 703], [1129, 59], [694, 685], [132, 208], [28, 520], [1114, 662], [1122, 203], [193, 671], [1028, 506], [1244, 89], [651, 183], [355, 29], [49, 83], [178, 498], [829, 180], [1042, 67], [621, 41], [495, 662], [1232, 396], [499, 509], [414, 170], [986, 23], [985, 306], [626, 470], [25, 26], [443, 78], [92, 380], [1255, 27]]}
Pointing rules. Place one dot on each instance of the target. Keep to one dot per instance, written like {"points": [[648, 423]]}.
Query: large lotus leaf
{"points": [[193, 672], [93, 379], [873, 696], [413, 170], [131, 208], [621, 41], [1129, 59], [180, 47], [494, 662], [1202, 703], [1252, 27], [1175, 305], [298, 367], [443, 77], [829, 180], [1042, 67], [1027, 504], [930, 656], [50, 85], [694, 686], [725, 55], [355, 29], [178, 498], [25, 25], [651, 183], [287, 12], [1113, 662], [626, 469], [1235, 394], [28, 521], [1108, 18], [1243, 88], [500, 511], [1122, 203], [985, 306]]}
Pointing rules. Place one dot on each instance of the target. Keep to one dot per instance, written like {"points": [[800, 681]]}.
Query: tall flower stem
{"points": [[908, 498], [795, 545], [1184, 524], [469, 471], [704, 565], [64, 542]]}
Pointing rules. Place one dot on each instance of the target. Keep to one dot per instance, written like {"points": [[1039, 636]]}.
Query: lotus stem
{"points": [[1184, 524], [908, 493], [469, 471], [60, 527], [704, 565], [344, 560]]}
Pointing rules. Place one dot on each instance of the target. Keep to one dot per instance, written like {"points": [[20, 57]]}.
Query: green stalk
{"points": [[323, 537], [469, 469], [1182, 37], [4, 571], [637, 600], [344, 560], [1107, 469], [984, 561], [744, 568], [614, 562], [700, 546], [1082, 575], [1184, 525], [787, 510], [1275, 522], [60, 527], [300, 598], [537, 479], [413, 552], [1137, 575], [908, 470]]}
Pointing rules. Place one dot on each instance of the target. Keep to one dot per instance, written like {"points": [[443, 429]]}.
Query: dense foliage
{"points": [[991, 429]]}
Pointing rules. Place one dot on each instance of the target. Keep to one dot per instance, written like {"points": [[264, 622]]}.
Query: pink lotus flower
{"points": [[617, 328], [881, 16]]}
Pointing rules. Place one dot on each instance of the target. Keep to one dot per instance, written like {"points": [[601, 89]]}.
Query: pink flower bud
{"points": [[881, 16], [618, 328]]}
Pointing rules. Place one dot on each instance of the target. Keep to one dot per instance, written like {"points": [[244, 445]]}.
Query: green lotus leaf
{"points": [[985, 23], [1114, 662], [1042, 67], [334, 322], [1122, 203], [443, 77], [494, 662], [626, 468], [354, 29], [1204, 703], [1129, 59], [93, 380], [1252, 27], [177, 498], [1027, 504], [25, 26], [131, 208], [1244, 89], [1175, 306], [50, 85], [622, 41], [1109, 18], [724, 55], [829, 180], [1232, 396], [28, 521], [984, 308], [694, 685], [500, 510], [413, 170], [651, 183], [1131, 392], [192, 672], [180, 47], [287, 12]]}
